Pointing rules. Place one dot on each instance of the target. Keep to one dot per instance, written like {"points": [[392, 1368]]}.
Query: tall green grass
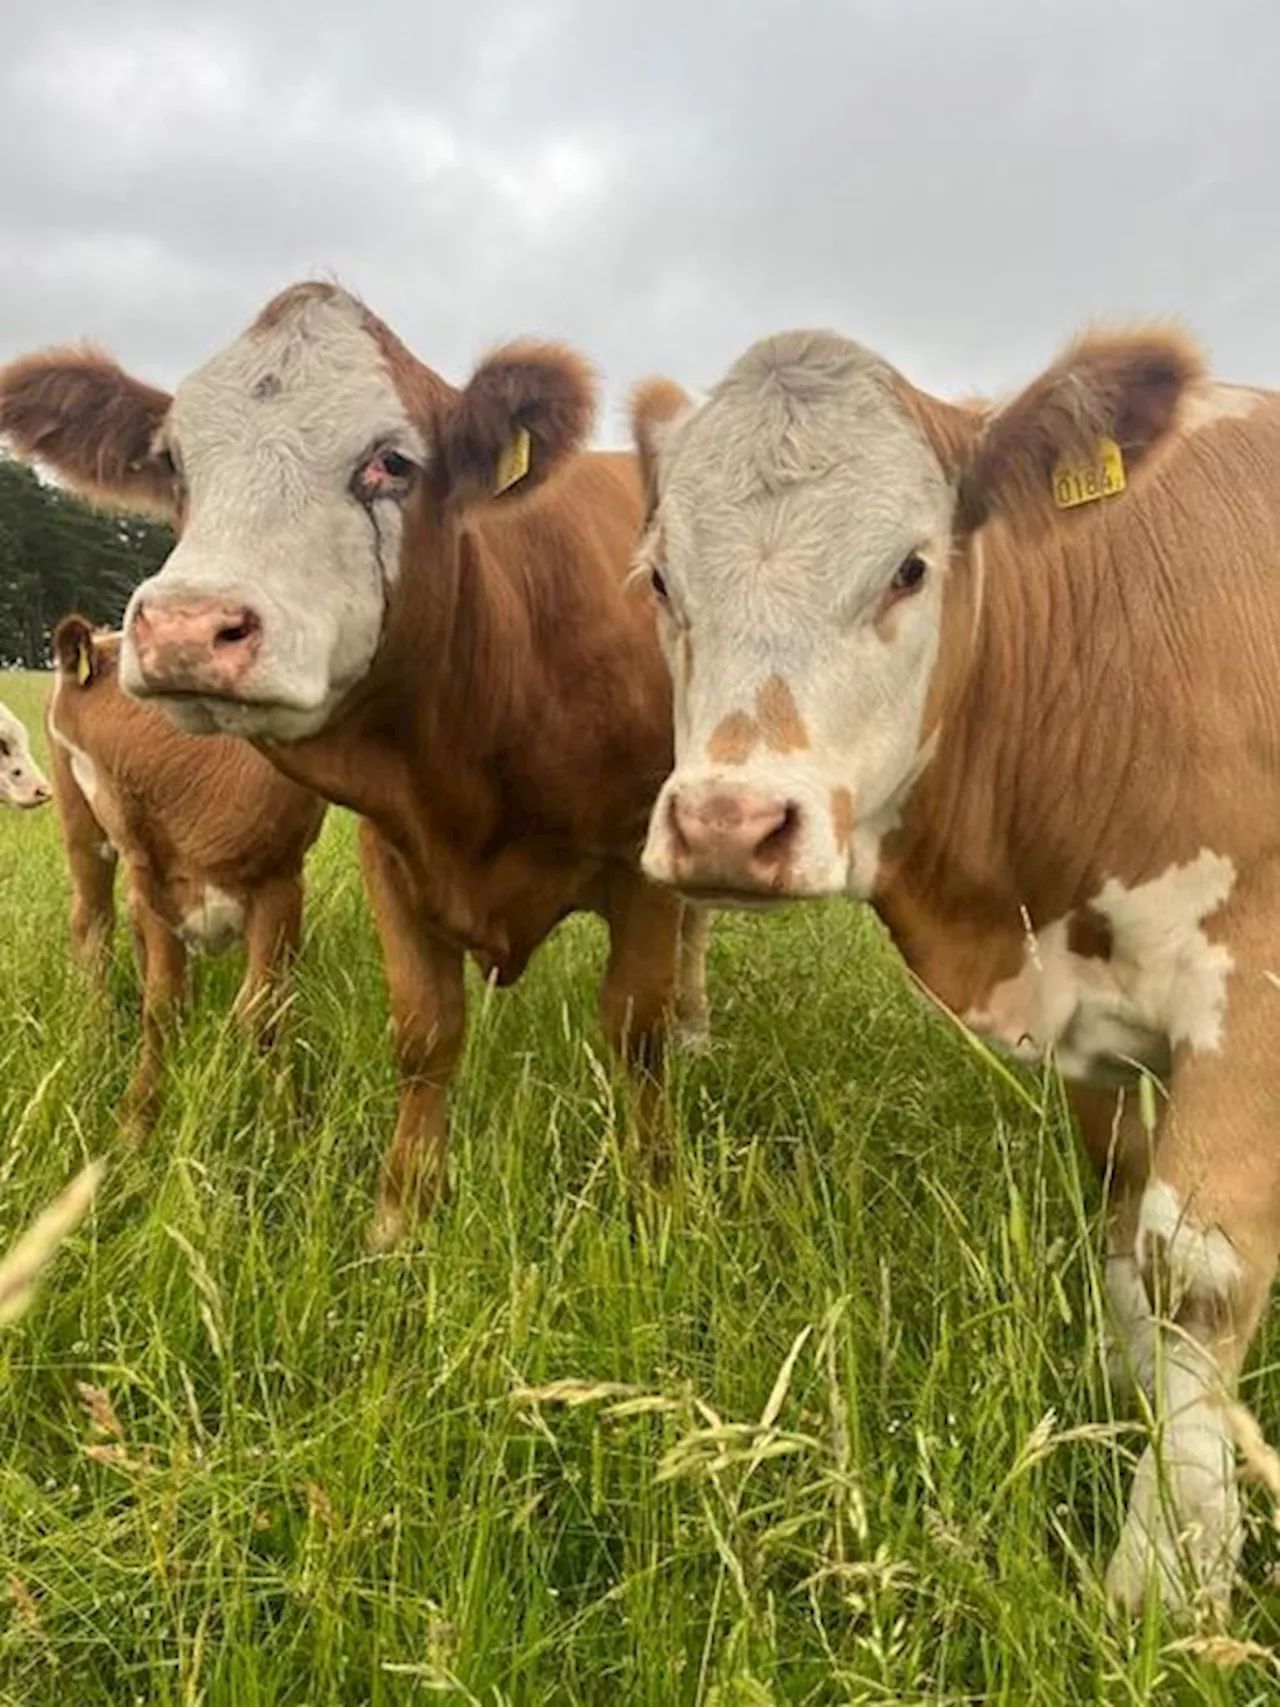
{"points": [[821, 1429]]}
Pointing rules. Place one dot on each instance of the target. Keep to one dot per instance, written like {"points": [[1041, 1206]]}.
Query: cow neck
{"points": [[1039, 787]]}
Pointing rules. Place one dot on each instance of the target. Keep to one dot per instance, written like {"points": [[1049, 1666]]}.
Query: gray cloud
{"points": [[959, 185]]}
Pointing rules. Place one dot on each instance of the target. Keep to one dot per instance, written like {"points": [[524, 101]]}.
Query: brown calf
{"points": [[212, 839]]}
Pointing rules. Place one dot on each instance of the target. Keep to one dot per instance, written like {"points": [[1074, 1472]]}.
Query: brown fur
{"points": [[655, 403], [182, 812], [781, 724], [734, 739], [513, 731], [75, 409]]}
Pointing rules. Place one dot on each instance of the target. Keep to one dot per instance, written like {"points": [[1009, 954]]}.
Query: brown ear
{"points": [[526, 410], [74, 653], [655, 405], [95, 425], [1122, 386]]}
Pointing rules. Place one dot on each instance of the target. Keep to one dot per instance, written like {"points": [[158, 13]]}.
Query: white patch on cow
{"points": [[1201, 1260], [1163, 984], [1183, 1533], [1206, 405], [215, 924], [83, 768], [788, 502], [270, 434], [22, 782]]}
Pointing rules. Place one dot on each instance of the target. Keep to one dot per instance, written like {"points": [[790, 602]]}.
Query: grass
{"points": [[819, 1431]]}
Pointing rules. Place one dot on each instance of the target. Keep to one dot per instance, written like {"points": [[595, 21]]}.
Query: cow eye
{"points": [[4, 749], [910, 575], [385, 474], [659, 585]]}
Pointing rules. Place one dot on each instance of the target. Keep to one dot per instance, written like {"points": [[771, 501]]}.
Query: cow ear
{"points": [[93, 424], [656, 406], [526, 410], [1082, 430], [74, 654]]}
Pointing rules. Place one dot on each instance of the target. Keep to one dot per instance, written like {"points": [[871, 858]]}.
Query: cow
{"points": [[1012, 674], [212, 838], [22, 783], [417, 600]]}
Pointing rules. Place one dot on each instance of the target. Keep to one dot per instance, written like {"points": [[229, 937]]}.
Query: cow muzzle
{"points": [[196, 646], [726, 841]]}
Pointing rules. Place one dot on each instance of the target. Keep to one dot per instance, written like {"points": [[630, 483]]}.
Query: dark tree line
{"points": [[59, 554]]}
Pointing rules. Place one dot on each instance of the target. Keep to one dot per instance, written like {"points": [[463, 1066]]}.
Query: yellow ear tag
{"points": [[84, 664], [513, 464], [1084, 483]]}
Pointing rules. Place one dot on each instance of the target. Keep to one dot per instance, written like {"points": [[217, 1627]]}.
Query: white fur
{"points": [[1163, 984], [1183, 1520], [83, 768], [272, 522], [22, 782], [215, 924], [788, 500], [1201, 1260]]}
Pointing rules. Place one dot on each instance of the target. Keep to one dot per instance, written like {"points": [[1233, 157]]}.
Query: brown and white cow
{"points": [[211, 835], [372, 582], [1013, 674], [22, 783]]}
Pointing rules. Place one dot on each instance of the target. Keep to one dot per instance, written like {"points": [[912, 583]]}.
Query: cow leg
{"points": [[693, 1014], [427, 997], [91, 863], [1207, 1239], [272, 931], [1117, 1144], [162, 966], [639, 997]]}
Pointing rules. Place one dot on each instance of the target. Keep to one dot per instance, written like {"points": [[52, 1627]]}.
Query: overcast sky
{"points": [[959, 183]]}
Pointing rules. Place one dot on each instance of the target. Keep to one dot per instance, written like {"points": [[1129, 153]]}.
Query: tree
{"points": [[59, 554]]}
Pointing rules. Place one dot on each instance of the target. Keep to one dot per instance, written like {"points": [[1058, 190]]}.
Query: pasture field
{"points": [[830, 1424]]}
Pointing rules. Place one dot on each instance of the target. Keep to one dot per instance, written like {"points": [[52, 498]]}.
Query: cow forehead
{"points": [[804, 453], [310, 387]]}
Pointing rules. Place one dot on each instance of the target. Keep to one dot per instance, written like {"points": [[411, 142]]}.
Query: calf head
{"points": [[309, 468], [814, 540], [86, 670], [22, 783]]}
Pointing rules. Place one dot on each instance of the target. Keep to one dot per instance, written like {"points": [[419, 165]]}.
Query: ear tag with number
{"points": [[513, 464], [84, 664], [1084, 483]]}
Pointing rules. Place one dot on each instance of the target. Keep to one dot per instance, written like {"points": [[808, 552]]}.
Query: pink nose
{"points": [[197, 646], [732, 840]]}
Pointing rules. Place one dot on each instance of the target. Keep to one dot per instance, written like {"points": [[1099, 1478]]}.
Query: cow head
{"points": [[815, 542], [22, 783], [306, 467]]}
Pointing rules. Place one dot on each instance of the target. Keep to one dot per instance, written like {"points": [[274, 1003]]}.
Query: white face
{"points": [[270, 438], [22, 783], [801, 536]]}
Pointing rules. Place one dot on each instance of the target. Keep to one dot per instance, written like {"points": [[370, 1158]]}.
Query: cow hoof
{"points": [[386, 1230], [1190, 1568], [693, 1039]]}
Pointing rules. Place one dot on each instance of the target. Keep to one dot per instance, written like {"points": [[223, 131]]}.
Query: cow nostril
{"points": [[233, 633], [678, 838], [773, 847]]}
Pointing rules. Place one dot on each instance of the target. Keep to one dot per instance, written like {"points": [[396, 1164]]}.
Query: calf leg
{"points": [[1117, 1144], [272, 930], [162, 966], [1206, 1242], [693, 1016], [640, 994], [427, 998], [91, 863]]}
